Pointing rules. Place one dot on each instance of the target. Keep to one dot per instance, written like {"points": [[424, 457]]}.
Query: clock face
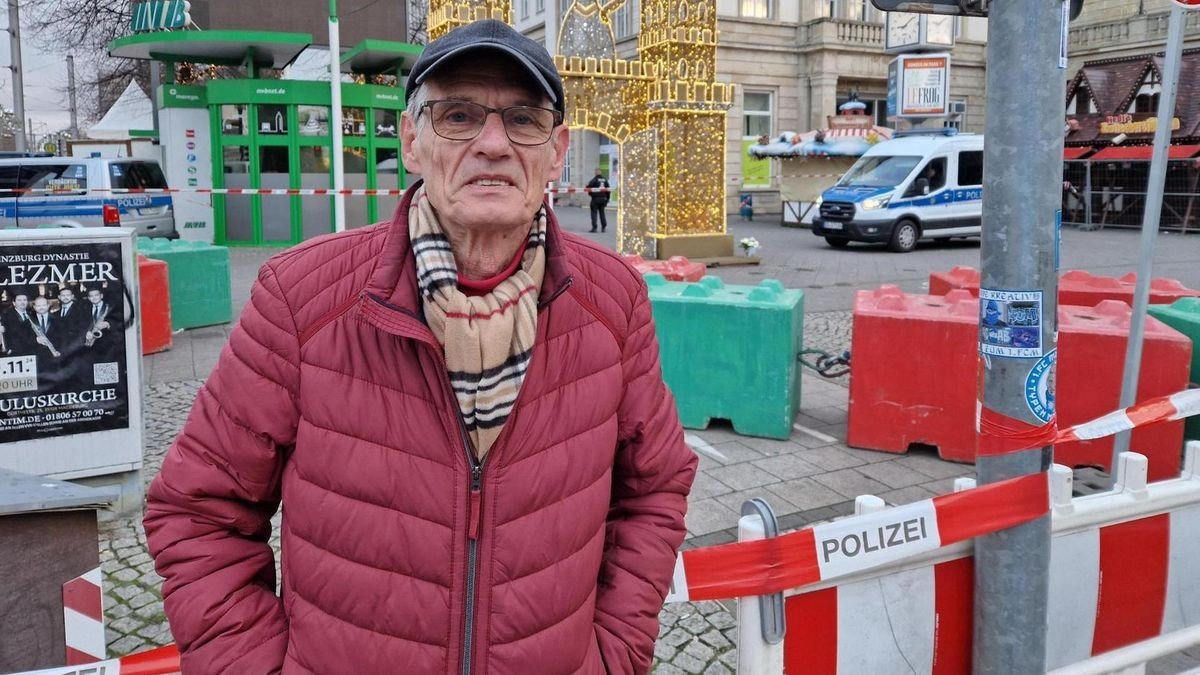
{"points": [[939, 29], [903, 29]]}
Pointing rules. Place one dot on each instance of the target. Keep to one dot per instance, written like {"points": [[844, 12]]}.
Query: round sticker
{"points": [[191, 145], [1188, 4], [1039, 387]]}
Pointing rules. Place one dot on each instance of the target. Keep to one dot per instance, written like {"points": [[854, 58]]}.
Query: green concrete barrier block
{"points": [[731, 352], [198, 274], [1184, 316]]}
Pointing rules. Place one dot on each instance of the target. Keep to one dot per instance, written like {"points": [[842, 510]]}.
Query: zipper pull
{"points": [[476, 501]]}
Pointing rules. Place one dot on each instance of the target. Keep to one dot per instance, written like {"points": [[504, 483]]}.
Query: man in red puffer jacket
{"points": [[461, 411]]}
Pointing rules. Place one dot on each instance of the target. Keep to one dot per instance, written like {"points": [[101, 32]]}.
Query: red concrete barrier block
{"points": [[154, 305], [941, 283], [675, 268], [913, 378], [1091, 351], [1075, 287]]}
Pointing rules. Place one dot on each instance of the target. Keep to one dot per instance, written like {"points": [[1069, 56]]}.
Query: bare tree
{"points": [[85, 28], [418, 21]]}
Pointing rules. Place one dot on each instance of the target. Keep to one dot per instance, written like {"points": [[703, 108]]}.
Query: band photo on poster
{"points": [[63, 367]]}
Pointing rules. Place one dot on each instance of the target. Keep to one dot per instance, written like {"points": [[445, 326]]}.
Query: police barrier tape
{"points": [[160, 661], [1124, 571], [852, 545], [278, 192]]}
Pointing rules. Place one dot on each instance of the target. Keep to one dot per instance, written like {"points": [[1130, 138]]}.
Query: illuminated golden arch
{"points": [[664, 111]]}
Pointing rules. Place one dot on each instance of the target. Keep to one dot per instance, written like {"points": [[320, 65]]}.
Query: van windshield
{"points": [[879, 171], [136, 175]]}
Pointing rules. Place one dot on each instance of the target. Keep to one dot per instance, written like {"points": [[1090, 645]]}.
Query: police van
{"points": [[76, 192], [918, 185]]}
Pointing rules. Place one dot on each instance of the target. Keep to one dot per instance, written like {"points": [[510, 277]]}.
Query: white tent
{"points": [[132, 111]]}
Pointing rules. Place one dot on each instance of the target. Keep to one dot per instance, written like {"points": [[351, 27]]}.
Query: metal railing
{"points": [[1100, 194]]}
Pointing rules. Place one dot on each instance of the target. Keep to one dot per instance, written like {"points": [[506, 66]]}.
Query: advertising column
{"points": [[70, 356], [186, 137]]}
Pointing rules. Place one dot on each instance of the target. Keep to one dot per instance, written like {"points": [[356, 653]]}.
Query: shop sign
{"points": [[1127, 124], [160, 15], [388, 100], [183, 96], [924, 85]]}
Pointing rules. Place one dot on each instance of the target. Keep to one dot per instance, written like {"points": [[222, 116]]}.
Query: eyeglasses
{"points": [[463, 120]]}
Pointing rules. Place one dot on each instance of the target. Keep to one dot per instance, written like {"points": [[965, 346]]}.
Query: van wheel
{"points": [[904, 237], [837, 242]]}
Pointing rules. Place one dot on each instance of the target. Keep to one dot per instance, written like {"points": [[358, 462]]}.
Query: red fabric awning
{"points": [[1142, 152], [1075, 153]]}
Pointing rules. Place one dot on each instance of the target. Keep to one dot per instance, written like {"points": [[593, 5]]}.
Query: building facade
{"points": [[793, 64]]}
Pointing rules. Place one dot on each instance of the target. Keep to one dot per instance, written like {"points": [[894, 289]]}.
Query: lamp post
{"points": [[335, 118]]}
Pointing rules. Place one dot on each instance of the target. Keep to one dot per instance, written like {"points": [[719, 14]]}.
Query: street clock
{"points": [[905, 31]]}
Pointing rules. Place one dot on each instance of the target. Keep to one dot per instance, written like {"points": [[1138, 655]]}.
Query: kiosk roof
{"points": [[221, 47], [380, 56]]}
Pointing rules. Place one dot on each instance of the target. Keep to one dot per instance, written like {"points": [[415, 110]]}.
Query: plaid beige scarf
{"points": [[488, 339]]}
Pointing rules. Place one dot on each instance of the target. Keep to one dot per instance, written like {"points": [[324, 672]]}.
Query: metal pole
{"points": [[1150, 218], [14, 30], [1021, 197], [335, 118], [155, 80], [71, 94]]}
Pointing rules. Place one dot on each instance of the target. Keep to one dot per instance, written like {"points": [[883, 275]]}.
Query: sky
{"points": [[45, 83]]}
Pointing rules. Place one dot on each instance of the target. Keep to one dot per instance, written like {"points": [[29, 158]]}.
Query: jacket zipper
{"points": [[475, 495]]}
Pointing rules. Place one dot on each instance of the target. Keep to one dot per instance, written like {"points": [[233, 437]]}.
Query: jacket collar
{"points": [[395, 277]]}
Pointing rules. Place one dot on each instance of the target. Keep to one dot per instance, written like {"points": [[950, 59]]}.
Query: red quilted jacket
{"points": [[332, 397]]}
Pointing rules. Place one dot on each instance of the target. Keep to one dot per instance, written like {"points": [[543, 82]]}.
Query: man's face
{"points": [[453, 170], [95, 296], [41, 305], [21, 302], [66, 296]]}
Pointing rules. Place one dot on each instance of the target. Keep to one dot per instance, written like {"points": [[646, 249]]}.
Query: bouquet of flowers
{"points": [[749, 245]]}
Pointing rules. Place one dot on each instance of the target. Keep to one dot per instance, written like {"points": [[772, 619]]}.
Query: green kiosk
{"points": [[272, 133]]}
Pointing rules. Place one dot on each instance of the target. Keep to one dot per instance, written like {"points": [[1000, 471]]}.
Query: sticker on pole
{"points": [[1010, 323], [1188, 4], [871, 540], [1039, 387]]}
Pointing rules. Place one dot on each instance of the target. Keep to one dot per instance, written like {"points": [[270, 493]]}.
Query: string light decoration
{"points": [[665, 111]]}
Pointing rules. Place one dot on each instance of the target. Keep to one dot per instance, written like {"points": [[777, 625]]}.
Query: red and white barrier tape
{"points": [[277, 192], [855, 544], [1163, 409], [866, 542], [160, 661]]}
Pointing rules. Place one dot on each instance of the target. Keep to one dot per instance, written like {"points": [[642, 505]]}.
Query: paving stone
{"points": [[742, 476], [699, 650], [689, 664], [694, 624], [708, 515], [828, 415], [126, 574], [729, 658], [143, 599], [124, 592], [830, 458], [908, 495], [663, 651], [708, 607], [722, 620], [126, 625], [714, 639], [677, 637], [787, 467], [850, 483], [737, 451], [115, 610], [717, 668], [806, 493], [935, 467], [705, 486], [667, 669], [125, 645]]}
